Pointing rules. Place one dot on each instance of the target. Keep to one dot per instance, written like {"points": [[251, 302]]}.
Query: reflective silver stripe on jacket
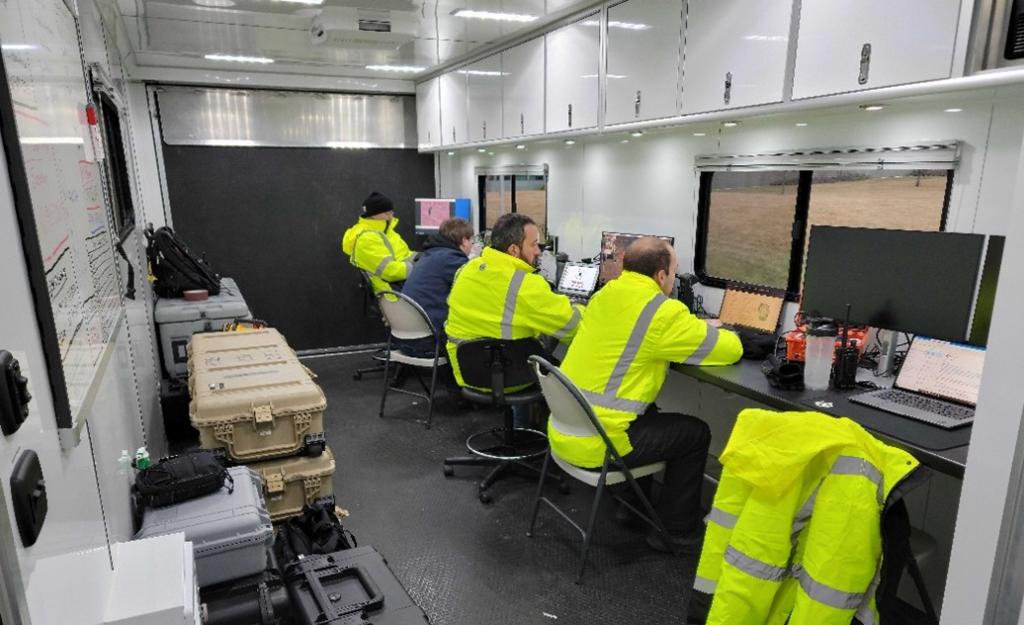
{"points": [[721, 517], [865, 613], [510, 304], [754, 567], [570, 326], [850, 465], [610, 397], [704, 585], [823, 593], [382, 265], [408, 267], [803, 515], [387, 242], [706, 347]]}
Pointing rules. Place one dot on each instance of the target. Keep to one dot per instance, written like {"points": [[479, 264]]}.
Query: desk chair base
{"points": [[514, 448]]}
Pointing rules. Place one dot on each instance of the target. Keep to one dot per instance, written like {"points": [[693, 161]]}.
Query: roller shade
{"points": [[943, 155]]}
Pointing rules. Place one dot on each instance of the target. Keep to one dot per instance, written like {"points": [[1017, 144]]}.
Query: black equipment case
{"points": [[350, 587]]}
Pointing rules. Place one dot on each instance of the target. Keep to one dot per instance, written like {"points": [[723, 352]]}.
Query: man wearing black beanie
{"points": [[374, 246]]}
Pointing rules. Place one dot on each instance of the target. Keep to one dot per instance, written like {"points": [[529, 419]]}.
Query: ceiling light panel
{"points": [[235, 58], [496, 16]]}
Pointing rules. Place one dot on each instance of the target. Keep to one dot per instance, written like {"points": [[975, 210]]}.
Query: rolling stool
{"points": [[501, 364]]}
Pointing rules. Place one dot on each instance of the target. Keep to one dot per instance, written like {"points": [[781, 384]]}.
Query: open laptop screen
{"points": [[942, 369], [578, 279]]}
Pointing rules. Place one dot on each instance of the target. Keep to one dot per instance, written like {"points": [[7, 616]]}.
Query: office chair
{"points": [[369, 310], [500, 365], [407, 320], [572, 414]]}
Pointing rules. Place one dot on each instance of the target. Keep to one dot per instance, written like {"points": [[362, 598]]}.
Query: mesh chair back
{"points": [[404, 316], [481, 359], [571, 413]]}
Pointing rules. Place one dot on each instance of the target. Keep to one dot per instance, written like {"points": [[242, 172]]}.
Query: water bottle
{"points": [[821, 346]]}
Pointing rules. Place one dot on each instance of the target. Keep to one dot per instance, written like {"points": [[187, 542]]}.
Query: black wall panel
{"points": [[273, 218]]}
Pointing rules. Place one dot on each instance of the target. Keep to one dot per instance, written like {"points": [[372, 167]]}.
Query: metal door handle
{"points": [[522, 124], [636, 104], [453, 134], [728, 88], [485, 129], [570, 116], [865, 64]]}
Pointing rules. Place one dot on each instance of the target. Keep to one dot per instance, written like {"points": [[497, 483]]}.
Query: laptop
{"points": [[578, 281], [749, 310], [938, 383]]}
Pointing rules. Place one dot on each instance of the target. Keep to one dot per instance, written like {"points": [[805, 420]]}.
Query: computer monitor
{"points": [[613, 248], [909, 281], [578, 279], [432, 212]]}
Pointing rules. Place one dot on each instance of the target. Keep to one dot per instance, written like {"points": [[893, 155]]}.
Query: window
{"points": [[116, 168], [520, 189], [755, 212]]}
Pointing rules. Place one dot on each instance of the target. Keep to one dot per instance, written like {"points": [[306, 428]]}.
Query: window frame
{"points": [[115, 166], [801, 210], [511, 172]]}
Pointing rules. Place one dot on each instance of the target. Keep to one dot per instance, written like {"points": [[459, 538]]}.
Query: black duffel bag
{"points": [[177, 269], [316, 531], [180, 478]]}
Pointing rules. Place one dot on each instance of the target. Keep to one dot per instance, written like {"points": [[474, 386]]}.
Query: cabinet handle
{"points": [[453, 135], [728, 88], [570, 116], [485, 129], [865, 64], [522, 124], [636, 104]]}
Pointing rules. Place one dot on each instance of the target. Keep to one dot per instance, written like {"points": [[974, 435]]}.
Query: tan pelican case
{"points": [[291, 483], [251, 397]]}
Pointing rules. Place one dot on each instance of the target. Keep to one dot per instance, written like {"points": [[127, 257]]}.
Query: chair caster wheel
{"points": [[485, 498], [564, 488], [448, 471]]}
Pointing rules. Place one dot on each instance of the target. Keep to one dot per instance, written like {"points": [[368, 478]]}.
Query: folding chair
{"points": [[408, 321]]}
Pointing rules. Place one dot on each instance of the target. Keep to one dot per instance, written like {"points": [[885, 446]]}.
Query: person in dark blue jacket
{"points": [[431, 280]]}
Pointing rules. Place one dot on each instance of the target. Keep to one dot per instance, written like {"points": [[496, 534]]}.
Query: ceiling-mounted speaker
{"points": [[364, 29]]}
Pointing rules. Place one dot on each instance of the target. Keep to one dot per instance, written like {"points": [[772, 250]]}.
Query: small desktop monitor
{"points": [[903, 280], [432, 212], [578, 279], [613, 248]]}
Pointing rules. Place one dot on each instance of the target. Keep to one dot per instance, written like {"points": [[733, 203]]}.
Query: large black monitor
{"points": [[613, 248], [909, 281]]}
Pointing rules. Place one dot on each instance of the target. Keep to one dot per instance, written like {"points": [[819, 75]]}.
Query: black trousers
{"points": [[682, 442]]}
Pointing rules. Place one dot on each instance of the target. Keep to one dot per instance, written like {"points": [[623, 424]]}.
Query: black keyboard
{"points": [[928, 404]]}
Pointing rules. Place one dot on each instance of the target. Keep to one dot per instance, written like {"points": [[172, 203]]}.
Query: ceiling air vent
{"points": [[1015, 32], [374, 25]]}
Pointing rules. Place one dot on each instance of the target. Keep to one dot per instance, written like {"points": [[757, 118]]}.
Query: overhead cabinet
{"points": [[453, 109], [644, 45], [735, 53], [573, 75], [849, 45], [522, 83], [428, 113], [484, 84]]}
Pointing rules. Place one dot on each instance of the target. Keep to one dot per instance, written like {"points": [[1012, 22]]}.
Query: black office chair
{"points": [[499, 365], [370, 310]]}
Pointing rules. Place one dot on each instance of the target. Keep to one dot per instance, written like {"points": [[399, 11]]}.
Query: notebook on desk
{"points": [[938, 383], [748, 310]]}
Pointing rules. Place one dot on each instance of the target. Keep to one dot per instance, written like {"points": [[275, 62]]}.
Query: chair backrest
{"points": [[404, 316], [571, 413], [497, 363], [366, 288]]}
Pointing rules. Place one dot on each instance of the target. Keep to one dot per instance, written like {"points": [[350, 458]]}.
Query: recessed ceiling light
{"points": [[608, 76], [774, 38], [481, 150], [700, 134], [234, 58], [232, 143], [636, 133], [871, 107], [800, 124], [215, 4], [451, 154], [624, 141], [953, 110], [494, 15], [315, 2], [570, 142], [730, 124], [351, 145], [406, 69], [618, 24], [12, 47], [520, 147], [480, 72]]}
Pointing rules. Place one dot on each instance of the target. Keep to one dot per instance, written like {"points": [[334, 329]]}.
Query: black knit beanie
{"points": [[376, 204]]}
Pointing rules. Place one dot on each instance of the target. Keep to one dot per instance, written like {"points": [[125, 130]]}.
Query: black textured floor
{"points": [[466, 563]]}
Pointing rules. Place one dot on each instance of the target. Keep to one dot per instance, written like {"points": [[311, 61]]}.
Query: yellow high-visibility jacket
{"points": [[621, 354], [502, 297], [795, 528], [374, 246]]}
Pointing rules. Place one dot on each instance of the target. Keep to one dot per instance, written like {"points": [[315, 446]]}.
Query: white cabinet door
{"points": [[849, 45], [644, 40], [573, 63], [428, 114], [453, 109], [735, 53], [484, 85], [522, 83]]}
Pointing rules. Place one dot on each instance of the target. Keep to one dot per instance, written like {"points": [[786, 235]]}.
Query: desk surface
{"points": [[745, 378]]}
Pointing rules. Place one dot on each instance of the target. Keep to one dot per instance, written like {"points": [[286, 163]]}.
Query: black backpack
{"points": [[316, 531], [175, 267], [180, 478]]}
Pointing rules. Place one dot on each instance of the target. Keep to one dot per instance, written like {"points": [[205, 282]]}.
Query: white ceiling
{"points": [[423, 33]]}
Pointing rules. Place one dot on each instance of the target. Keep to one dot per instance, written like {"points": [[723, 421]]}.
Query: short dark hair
{"points": [[456, 230], [648, 256], [510, 229]]}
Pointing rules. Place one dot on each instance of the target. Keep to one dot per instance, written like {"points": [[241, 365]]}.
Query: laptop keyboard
{"points": [[920, 402]]}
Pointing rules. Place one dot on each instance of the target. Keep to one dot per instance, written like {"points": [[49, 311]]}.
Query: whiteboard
{"points": [[42, 59]]}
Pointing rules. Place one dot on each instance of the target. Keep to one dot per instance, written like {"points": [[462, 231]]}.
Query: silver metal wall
{"points": [[257, 118]]}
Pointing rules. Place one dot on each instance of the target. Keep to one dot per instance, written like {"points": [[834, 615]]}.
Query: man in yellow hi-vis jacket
{"points": [[499, 294], [374, 246], [619, 359]]}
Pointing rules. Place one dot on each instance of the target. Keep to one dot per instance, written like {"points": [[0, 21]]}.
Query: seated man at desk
{"points": [[373, 245], [500, 295], [619, 359]]}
